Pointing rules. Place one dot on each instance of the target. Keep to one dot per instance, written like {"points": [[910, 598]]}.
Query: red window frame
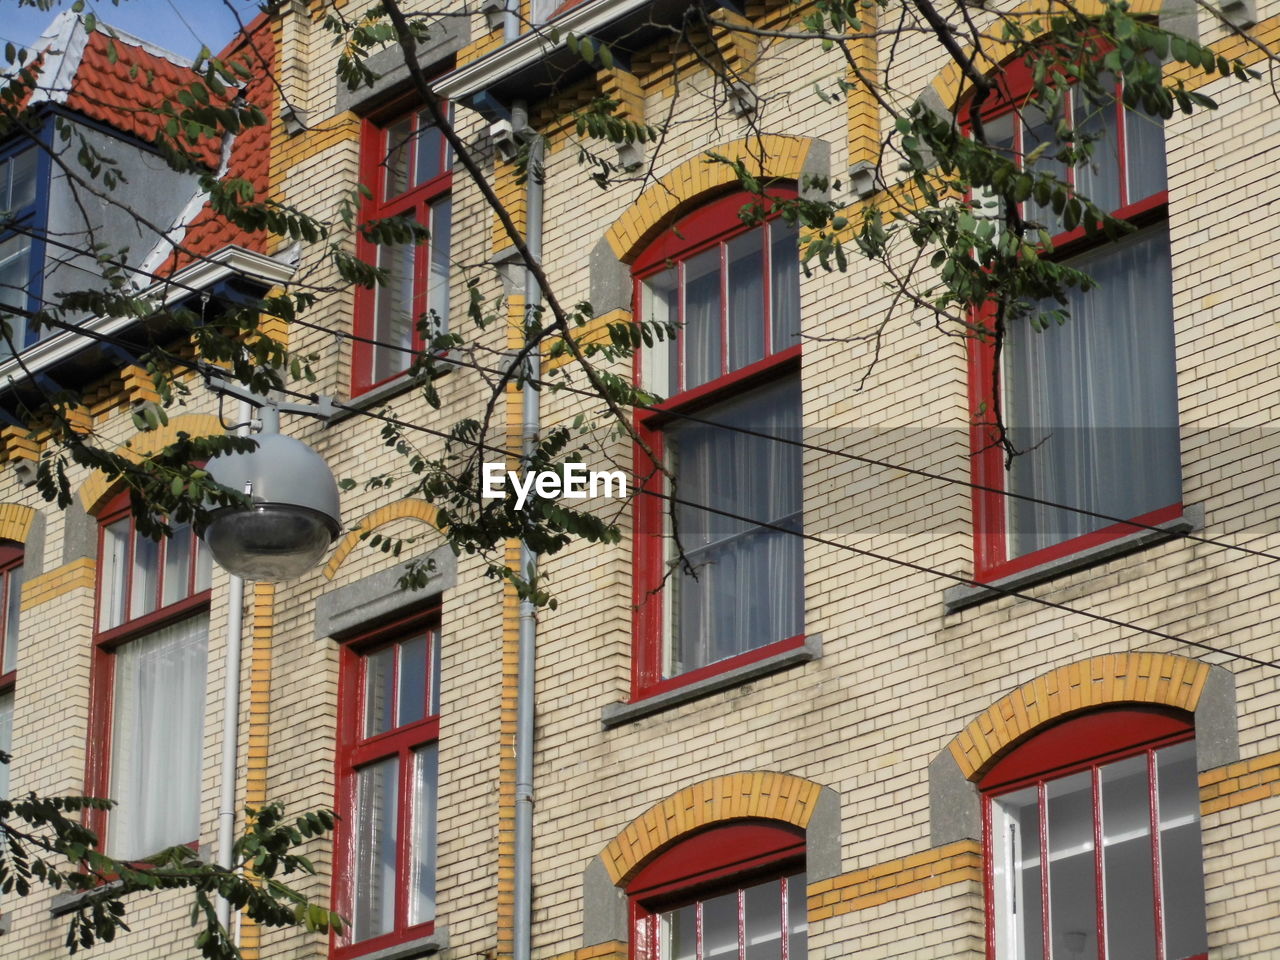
{"points": [[992, 555], [1084, 742], [724, 858], [698, 231], [11, 558], [106, 641], [416, 201], [354, 751]]}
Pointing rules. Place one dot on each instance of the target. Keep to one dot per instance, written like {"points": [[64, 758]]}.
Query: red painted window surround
{"points": [[993, 558], [714, 862], [107, 640], [1086, 743], [355, 750], [373, 364], [11, 555], [696, 232]]}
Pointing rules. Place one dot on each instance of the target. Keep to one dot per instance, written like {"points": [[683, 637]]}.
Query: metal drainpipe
{"points": [[510, 21], [231, 712], [527, 660]]}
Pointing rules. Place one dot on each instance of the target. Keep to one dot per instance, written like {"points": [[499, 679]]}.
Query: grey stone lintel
{"points": [[378, 597], [446, 38]]}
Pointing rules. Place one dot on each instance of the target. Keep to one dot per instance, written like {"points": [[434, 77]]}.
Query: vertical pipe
{"points": [[527, 650], [510, 21], [231, 712]]}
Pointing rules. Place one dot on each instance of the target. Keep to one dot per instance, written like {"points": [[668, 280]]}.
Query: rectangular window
{"points": [[407, 166], [19, 254], [389, 723], [150, 673], [1089, 404], [720, 563]]}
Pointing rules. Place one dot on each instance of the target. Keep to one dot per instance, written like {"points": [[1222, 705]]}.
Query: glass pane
{"points": [[1038, 129], [679, 934], [115, 554], [1094, 400], [399, 157], [146, 575], [720, 927], [745, 257], [430, 147], [21, 185], [177, 565], [433, 706], [797, 917], [157, 739], [1096, 121], [379, 690], [13, 606], [746, 588], [1144, 158], [438, 283], [1126, 860], [422, 880], [393, 315], [762, 921], [1181, 869], [411, 704], [659, 304], [373, 911], [785, 283], [1073, 902], [1015, 870], [15, 278], [702, 305], [204, 566], [6, 739]]}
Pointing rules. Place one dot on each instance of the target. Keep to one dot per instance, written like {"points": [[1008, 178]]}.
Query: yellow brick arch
{"points": [[408, 508], [98, 488], [769, 157], [760, 794], [950, 85], [1114, 679], [16, 521]]}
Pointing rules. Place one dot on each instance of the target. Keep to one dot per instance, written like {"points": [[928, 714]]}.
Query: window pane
{"points": [[720, 927], [115, 555], [6, 739], [438, 283], [762, 921], [1038, 129], [1126, 860], [797, 917], [745, 255], [433, 706], [379, 690], [746, 589], [659, 304], [785, 283], [204, 566], [177, 565], [679, 934], [13, 606], [157, 739], [146, 575], [702, 333], [1181, 869], [412, 699], [1099, 179], [399, 157], [1145, 160], [1015, 869], [15, 279], [22, 183], [422, 880], [1073, 905], [1093, 401], [430, 143], [373, 911], [393, 314]]}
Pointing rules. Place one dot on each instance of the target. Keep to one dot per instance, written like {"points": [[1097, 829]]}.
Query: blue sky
{"points": [[159, 21]]}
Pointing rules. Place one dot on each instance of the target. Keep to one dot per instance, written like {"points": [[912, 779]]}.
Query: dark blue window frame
{"points": [[30, 220]]}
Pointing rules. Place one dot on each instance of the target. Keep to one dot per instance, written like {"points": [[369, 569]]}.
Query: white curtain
{"points": [[701, 332], [785, 285], [157, 738], [746, 589], [1094, 400]]}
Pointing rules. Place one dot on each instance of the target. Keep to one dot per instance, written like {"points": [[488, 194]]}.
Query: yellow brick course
{"points": [[76, 575], [407, 509]]}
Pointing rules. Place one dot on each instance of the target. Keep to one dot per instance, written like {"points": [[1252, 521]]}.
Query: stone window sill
{"points": [[431, 944]]}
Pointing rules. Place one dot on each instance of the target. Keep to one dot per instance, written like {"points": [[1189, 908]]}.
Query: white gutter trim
{"points": [[532, 46], [228, 262]]}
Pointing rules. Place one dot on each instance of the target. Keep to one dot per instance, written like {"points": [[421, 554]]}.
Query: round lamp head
{"points": [[294, 517]]}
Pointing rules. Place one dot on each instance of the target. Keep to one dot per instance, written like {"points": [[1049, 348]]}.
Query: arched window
{"points": [[737, 594], [1093, 842], [1091, 403], [734, 892]]}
